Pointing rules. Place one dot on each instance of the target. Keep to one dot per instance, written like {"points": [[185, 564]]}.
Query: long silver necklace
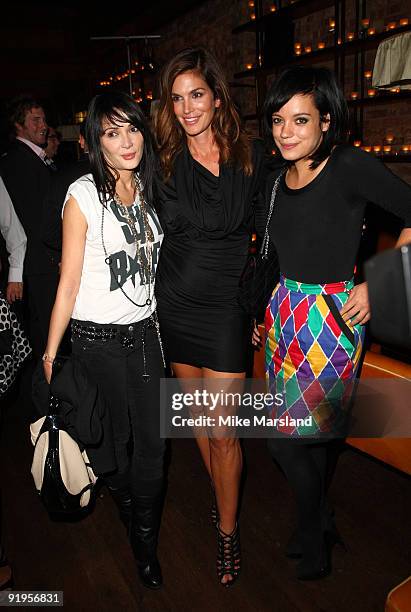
{"points": [[147, 270]]}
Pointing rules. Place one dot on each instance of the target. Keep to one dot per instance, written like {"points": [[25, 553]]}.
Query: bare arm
{"points": [[74, 240]]}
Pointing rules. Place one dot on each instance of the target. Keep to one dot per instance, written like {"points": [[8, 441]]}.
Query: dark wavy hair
{"points": [[233, 143], [322, 85], [117, 107]]}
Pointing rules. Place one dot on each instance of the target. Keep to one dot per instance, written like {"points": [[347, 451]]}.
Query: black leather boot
{"points": [[145, 524], [122, 498]]}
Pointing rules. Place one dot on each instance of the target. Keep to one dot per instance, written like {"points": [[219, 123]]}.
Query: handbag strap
{"points": [[266, 240]]}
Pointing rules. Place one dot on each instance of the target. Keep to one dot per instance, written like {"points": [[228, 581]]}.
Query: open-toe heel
{"points": [[228, 555]]}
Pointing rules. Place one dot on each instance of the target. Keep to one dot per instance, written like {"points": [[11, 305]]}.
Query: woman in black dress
{"points": [[211, 173]]}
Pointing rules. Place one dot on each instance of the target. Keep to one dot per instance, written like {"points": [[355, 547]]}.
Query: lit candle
{"points": [[251, 3], [298, 51], [387, 148], [321, 45], [405, 148], [395, 90], [377, 148], [249, 66], [357, 143], [339, 41], [252, 16], [367, 148], [405, 21], [365, 22], [354, 95], [297, 45], [331, 25], [392, 25], [371, 31], [371, 93], [308, 49], [368, 74], [389, 138], [350, 36], [273, 8]]}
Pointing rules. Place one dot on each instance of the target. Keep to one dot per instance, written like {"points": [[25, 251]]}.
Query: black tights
{"points": [[305, 466]]}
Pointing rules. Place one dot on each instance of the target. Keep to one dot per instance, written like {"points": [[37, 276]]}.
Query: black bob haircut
{"points": [[327, 96], [117, 107]]}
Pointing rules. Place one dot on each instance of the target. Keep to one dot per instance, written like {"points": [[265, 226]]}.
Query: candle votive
{"points": [[377, 148], [387, 148], [371, 32], [391, 25], [297, 51], [339, 40], [331, 24], [371, 93], [368, 74], [404, 21], [357, 143], [297, 45], [251, 3], [321, 45], [252, 16], [367, 149], [308, 49], [395, 90], [365, 22], [405, 148], [389, 138], [354, 95], [350, 36], [273, 8]]}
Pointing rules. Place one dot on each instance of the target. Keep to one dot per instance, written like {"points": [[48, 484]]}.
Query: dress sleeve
{"points": [[377, 184]]}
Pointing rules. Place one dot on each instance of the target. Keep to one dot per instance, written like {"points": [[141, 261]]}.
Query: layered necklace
{"points": [[146, 237], [145, 263]]}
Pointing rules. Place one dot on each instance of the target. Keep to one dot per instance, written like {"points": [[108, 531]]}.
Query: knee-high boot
{"points": [[147, 502]]}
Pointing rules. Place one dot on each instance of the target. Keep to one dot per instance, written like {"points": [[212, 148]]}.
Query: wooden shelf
{"points": [[293, 11], [320, 55], [381, 98]]}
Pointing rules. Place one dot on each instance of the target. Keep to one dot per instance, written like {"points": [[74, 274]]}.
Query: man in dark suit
{"points": [[27, 179]]}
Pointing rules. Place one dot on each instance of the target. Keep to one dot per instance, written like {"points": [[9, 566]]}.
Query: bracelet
{"points": [[47, 358]]}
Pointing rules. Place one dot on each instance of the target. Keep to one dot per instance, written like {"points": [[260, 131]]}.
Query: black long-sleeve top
{"points": [[317, 229]]}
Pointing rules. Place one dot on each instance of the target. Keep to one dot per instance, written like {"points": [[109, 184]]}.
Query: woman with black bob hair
{"points": [[315, 317], [111, 243]]}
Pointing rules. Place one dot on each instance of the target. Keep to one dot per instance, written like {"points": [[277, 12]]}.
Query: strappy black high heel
{"points": [[228, 555]]}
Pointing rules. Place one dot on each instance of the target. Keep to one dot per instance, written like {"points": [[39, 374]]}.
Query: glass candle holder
{"points": [[371, 32], [308, 49], [357, 143], [389, 138], [365, 22], [371, 93], [387, 148], [321, 45], [377, 149], [391, 25], [331, 24], [404, 21], [367, 149], [368, 74], [350, 36], [354, 95]]}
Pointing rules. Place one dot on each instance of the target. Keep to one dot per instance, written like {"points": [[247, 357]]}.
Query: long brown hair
{"points": [[233, 143]]}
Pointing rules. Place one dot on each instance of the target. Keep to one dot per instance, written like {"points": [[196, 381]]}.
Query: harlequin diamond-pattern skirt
{"points": [[312, 357]]}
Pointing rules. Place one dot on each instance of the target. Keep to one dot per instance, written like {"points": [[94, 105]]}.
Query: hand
{"points": [[256, 338], [14, 292], [48, 368], [357, 307]]}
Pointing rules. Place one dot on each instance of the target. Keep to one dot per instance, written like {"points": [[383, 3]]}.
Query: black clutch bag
{"points": [[261, 272]]}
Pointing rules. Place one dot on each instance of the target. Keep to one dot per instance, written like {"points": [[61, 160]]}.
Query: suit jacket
{"points": [[28, 180], [61, 181]]}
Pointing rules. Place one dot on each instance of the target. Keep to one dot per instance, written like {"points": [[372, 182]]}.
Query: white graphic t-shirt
{"points": [[100, 298]]}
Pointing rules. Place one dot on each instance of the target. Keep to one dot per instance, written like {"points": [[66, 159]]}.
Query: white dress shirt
{"points": [[14, 235]]}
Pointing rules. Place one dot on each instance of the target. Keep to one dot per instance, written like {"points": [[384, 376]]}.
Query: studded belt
{"points": [[125, 334]]}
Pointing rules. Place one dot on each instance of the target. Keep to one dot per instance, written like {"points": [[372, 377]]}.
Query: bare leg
{"points": [[182, 371]]}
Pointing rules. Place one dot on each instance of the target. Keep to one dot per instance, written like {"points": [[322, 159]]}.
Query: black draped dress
{"points": [[207, 222]]}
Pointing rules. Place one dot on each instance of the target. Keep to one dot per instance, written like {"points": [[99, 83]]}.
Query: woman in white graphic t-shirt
{"points": [[111, 244]]}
